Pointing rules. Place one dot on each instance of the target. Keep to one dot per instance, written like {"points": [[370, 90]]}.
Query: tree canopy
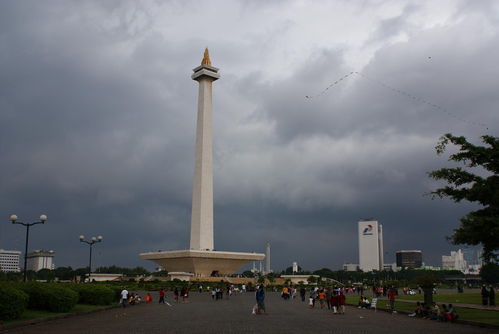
{"points": [[476, 181]]}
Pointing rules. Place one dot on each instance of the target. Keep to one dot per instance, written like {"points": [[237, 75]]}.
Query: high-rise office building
{"points": [[370, 245], [409, 258], [9, 260]]}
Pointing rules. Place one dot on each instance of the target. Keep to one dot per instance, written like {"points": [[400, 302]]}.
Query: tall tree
{"points": [[477, 181]]}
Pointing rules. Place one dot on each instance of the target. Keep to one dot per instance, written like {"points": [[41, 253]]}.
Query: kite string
{"points": [[401, 92], [331, 85]]}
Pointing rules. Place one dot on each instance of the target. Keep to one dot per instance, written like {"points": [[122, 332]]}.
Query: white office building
{"points": [[41, 259], [370, 245], [9, 260]]}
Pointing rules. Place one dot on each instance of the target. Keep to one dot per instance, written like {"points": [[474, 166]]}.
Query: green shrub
{"points": [[50, 297], [94, 294], [13, 303]]}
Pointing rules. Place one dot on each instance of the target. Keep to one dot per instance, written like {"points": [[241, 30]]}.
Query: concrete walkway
{"points": [[203, 315]]}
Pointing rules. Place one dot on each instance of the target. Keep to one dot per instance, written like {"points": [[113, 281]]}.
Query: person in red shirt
{"points": [[342, 301], [392, 292], [335, 302], [161, 296]]}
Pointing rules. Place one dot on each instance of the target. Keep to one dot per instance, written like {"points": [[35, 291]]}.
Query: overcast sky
{"points": [[98, 117]]}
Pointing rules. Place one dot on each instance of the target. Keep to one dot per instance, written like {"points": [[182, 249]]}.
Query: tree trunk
{"points": [[428, 296]]}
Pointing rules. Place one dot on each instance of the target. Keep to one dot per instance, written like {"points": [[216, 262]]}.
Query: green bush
{"points": [[13, 303], [94, 294], [50, 297]]}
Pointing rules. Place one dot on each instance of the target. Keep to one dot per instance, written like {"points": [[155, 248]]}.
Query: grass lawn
{"points": [[466, 298], [485, 316], [36, 314]]}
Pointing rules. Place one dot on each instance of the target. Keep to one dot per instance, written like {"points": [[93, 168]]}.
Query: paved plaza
{"points": [[203, 315]]}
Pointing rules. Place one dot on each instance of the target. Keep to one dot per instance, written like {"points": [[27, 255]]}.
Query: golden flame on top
{"points": [[206, 58]]}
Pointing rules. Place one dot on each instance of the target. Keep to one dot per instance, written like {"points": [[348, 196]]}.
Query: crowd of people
{"points": [[333, 299], [434, 312], [129, 298]]}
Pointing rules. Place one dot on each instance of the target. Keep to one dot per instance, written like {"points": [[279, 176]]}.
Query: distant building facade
{"points": [[350, 266], [390, 266], [267, 259], [458, 260], [455, 261], [9, 260], [409, 258], [40, 259], [370, 245]]}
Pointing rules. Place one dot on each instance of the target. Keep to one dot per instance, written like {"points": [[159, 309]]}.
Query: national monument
{"points": [[201, 259]]}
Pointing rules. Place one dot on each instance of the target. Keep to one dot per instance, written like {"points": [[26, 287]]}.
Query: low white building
{"points": [[40, 259], [350, 266], [299, 279], [104, 277], [9, 260]]}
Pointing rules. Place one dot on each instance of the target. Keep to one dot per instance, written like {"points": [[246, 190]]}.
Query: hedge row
{"points": [[13, 303], [52, 297], [93, 294]]}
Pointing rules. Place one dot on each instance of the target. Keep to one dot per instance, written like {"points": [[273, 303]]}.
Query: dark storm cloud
{"points": [[98, 117]]}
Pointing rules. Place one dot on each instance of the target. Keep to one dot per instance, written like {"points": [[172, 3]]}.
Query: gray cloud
{"points": [[98, 113]]}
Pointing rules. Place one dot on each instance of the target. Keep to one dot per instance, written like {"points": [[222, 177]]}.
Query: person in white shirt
{"points": [[124, 297]]}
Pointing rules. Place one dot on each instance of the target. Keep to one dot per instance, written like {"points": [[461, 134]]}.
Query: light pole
{"points": [[13, 219], [90, 243]]}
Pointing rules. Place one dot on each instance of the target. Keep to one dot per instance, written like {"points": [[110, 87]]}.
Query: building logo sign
{"points": [[368, 230]]}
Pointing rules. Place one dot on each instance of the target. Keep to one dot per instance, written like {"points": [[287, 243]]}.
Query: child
{"points": [[322, 297]]}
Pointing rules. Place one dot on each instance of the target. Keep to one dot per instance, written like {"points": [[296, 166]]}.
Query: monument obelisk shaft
{"points": [[201, 260], [202, 187]]}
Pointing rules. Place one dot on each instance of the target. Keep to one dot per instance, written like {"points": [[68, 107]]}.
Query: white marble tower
{"points": [[201, 260], [202, 187]]}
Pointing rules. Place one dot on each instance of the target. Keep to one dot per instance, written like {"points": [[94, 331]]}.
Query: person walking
{"points": [[485, 295], [322, 298], [124, 297], [313, 296], [302, 293], [335, 301], [161, 296], [342, 302], [492, 296], [260, 300], [175, 295], [328, 298], [391, 297]]}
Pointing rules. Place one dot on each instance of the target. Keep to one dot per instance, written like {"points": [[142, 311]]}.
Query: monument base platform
{"points": [[202, 263]]}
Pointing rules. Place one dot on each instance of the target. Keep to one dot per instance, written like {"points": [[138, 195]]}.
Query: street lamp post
{"points": [[13, 219], [90, 243]]}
